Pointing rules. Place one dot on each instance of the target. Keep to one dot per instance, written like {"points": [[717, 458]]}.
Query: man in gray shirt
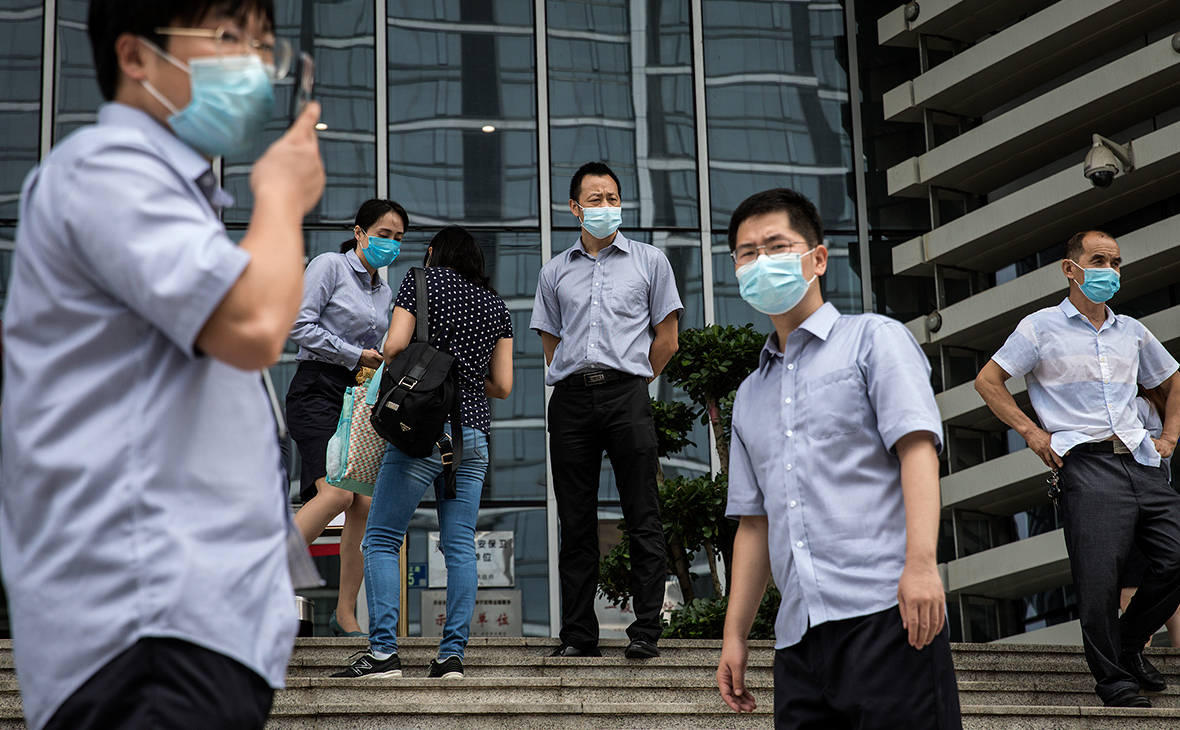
{"points": [[607, 311]]}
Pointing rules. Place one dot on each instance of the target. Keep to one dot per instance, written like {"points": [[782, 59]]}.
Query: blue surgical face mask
{"points": [[382, 251], [774, 284], [232, 100], [1098, 284], [601, 222]]}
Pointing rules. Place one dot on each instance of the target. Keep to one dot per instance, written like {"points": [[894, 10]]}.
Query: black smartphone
{"points": [[304, 79]]}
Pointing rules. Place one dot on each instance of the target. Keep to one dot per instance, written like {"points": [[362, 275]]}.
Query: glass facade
{"points": [[478, 112]]}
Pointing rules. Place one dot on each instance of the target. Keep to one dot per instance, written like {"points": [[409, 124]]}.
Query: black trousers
{"points": [[167, 684], [1110, 502], [616, 418], [862, 674]]}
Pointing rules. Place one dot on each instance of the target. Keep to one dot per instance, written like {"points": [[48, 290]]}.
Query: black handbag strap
{"points": [[423, 312], [452, 453]]}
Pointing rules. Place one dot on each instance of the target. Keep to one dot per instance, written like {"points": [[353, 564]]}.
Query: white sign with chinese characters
{"points": [[495, 560], [497, 613]]}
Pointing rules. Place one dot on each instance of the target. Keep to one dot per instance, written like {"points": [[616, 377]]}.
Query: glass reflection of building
{"points": [[477, 112]]}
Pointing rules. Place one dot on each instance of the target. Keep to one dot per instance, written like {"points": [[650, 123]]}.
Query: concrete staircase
{"points": [[512, 684]]}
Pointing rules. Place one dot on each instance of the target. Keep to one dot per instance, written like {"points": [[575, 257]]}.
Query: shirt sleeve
{"points": [[407, 294], [146, 239], [546, 307], [663, 298], [897, 377], [506, 318], [319, 283], [1020, 352], [1156, 364], [745, 497]]}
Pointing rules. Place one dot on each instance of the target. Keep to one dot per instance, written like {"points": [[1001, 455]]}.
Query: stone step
{"points": [[1007, 717], [513, 684], [1078, 694], [302, 691], [319, 657], [532, 716]]}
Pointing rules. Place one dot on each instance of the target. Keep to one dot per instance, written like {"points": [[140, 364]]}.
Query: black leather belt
{"points": [[591, 378], [317, 366], [1102, 447]]}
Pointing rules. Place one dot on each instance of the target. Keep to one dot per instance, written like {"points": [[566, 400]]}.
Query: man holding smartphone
{"points": [[143, 515]]}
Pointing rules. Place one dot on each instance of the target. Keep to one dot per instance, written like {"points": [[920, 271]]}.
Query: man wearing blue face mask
{"points": [[833, 474], [607, 311], [1083, 365], [144, 522]]}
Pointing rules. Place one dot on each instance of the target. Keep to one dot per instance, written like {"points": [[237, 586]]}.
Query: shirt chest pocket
{"points": [[836, 404], [628, 296]]}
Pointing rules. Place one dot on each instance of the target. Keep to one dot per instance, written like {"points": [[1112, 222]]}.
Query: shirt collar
{"points": [[355, 262], [621, 242], [1067, 307], [819, 324], [187, 161]]}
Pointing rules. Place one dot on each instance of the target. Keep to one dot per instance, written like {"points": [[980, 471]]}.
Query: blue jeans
{"points": [[401, 483]]}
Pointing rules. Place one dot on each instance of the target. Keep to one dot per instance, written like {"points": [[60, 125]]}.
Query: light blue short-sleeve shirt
{"points": [[814, 429], [605, 307], [342, 313], [1082, 381], [140, 492]]}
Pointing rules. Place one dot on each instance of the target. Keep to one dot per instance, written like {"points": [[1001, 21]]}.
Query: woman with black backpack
{"points": [[468, 320]]}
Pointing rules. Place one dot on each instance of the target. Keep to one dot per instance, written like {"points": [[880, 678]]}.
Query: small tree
{"points": [[710, 364]]}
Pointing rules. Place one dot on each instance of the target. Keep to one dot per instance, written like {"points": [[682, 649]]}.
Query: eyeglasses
{"points": [[747, 252], [231, 42]]}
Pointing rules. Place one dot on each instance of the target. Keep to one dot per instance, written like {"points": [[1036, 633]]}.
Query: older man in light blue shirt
{"points": [[607, 311], [833, 473], [1083, 365], [143, 518]]}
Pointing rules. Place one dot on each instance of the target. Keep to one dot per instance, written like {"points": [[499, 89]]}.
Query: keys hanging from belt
{"points": [[1054, 491]]}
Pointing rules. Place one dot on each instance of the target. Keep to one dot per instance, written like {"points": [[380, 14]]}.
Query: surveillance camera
{"points": [[1105, 160], [1101, 167]]}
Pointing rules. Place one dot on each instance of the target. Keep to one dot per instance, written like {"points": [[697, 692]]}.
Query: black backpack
{"points": [[419, 390]]}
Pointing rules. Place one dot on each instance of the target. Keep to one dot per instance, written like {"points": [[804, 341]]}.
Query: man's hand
{"points": [[922, 603], [1164, 447], [731, 676], [370, 359], [1039, 441], [291, 168]]}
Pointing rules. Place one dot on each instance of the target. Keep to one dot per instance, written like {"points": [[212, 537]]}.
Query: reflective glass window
{"points": [[20, 97], [78, 97], [620, 91], [340, 36], [462, 111], [776, 89]]}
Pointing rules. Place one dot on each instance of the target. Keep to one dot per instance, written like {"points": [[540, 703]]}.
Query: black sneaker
{"points": [[449, 668], [368, 665]]}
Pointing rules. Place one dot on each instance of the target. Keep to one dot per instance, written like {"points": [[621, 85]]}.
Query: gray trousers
{"points": [[1110, 502]]}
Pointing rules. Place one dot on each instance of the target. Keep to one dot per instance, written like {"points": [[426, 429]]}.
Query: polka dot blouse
{"points": [[466, 320]]}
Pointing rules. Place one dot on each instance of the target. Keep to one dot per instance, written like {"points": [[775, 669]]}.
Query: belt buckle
{"points": [[1120, 447], [594, 378]]}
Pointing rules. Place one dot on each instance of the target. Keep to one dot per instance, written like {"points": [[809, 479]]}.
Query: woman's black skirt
{"points": [[314, 401]]}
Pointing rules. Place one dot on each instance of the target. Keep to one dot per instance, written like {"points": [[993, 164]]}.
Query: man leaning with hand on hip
{"points": [[1082, 364]]}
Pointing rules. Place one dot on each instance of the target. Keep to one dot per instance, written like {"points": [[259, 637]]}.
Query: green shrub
{"points": [[704, 618]]}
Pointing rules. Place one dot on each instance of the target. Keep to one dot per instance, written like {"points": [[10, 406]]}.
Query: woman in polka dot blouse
{"points": [[469, 320]]}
